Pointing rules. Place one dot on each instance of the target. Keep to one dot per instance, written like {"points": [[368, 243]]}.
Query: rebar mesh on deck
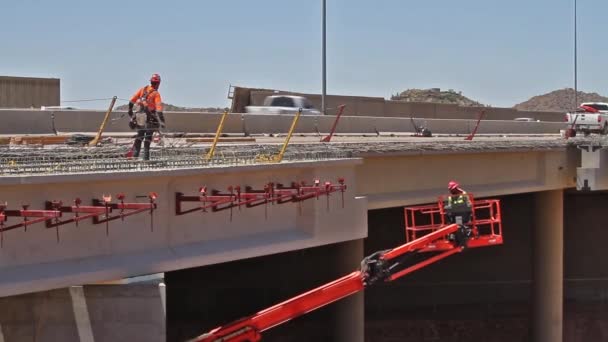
{"points": [[59, 160]]}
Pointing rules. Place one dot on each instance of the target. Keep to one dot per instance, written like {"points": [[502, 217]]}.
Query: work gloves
{"points": [[161, 117], [132, 122], [131, 104]]}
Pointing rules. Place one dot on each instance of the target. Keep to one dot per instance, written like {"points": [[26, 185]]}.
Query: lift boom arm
{"points": [[380, 266]]}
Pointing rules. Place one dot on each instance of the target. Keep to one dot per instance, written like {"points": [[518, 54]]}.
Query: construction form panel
{"points": [[406, 180], [33, 260]]}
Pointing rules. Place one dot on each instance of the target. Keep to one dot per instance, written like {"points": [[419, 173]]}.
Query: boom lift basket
{"points": [[485, 222]]}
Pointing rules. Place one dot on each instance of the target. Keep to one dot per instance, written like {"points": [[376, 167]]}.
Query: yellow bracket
{"points": [[220, 127], [279, 157], [95, 140]]}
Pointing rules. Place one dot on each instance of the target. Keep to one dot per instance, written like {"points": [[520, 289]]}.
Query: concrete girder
{"points": [[394, 181], [33, 260]]}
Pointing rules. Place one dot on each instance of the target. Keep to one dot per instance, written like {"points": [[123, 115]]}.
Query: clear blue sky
{"points": [[496, 52]]}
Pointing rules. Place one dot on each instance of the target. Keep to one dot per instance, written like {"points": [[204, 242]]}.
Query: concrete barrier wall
{"points": [[25, 122], [378, 106], [445, 126], [89, 121], [44, 122], [360, 124]]}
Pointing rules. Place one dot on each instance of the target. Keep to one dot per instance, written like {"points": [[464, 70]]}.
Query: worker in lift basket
{"points": [[458, 209], [149, 116]]}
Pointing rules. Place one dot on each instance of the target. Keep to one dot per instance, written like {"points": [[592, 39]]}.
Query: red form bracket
{"points": [[333, 127], [218, 201], [125, 209], [214, 200], [54, 214], [472, 135], [29, 216], [315, 191], [269, 194]]}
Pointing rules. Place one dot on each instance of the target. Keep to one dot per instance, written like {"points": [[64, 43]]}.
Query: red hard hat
{"points": [[155, 78], [453, 185]]}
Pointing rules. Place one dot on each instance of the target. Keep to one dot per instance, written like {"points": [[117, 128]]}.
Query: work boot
{"points": [[136, 149], [147, 149]]}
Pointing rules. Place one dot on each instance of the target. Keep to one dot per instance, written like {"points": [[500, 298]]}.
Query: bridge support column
{"points": [[350, 312], [548, 267]]}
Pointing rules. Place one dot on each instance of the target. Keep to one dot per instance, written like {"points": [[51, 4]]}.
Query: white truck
{"points": [[284, 104], [590, 117]]}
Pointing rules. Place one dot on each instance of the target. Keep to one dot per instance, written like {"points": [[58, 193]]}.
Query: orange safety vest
{"points": [[148, 99]]}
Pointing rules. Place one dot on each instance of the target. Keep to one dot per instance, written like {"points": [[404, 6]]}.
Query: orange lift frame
{"points": [[431, 234]]}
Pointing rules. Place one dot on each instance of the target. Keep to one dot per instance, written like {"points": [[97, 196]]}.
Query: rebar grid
{"points": [[65, 160]]}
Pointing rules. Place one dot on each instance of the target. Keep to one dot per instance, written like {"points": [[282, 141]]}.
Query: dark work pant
{"points": [[144, 134], [466, 217]]}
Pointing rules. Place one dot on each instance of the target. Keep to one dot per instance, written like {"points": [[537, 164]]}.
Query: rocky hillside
{"points": [[171, 108], [435, 95], [559, 100]]}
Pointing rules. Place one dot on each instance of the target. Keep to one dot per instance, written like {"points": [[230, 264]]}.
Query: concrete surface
{"points": [[393, 180], [391, 174], [33, 260], [85, 314]]}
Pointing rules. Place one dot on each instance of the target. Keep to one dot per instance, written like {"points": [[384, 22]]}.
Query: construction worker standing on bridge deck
{"points": [[458, 209], [148, 118]]}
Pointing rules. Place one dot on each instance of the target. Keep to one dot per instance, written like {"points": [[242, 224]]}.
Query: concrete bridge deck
{"points": [[380, 173]]}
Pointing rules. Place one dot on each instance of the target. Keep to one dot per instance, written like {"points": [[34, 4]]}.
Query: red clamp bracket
{"points": [[77, 209], [53, 215], [26, 213], [252, 198], [285, 194], [315, 191], [216, 201], [124, 209], [235, 197]]}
